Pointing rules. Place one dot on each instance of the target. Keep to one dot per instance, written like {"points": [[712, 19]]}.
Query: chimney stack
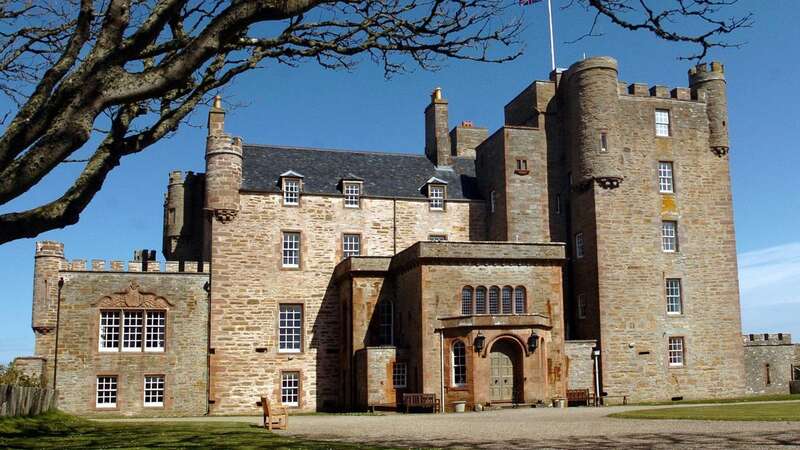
{"points": [[437, 136]]}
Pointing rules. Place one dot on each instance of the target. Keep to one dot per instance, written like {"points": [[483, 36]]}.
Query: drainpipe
{"points": [[441, 370], [394, 226], [596, 357], [58, 323]]}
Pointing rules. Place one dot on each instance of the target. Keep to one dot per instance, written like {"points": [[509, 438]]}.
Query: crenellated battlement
{"points": [[715, 66], [100, 265], [767, 339], [658, 91]]}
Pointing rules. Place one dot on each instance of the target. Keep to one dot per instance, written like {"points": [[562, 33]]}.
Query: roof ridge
{"points": [[334, 150]]}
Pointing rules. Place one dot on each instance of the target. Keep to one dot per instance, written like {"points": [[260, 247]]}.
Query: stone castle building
{"points": [[492, 269]]}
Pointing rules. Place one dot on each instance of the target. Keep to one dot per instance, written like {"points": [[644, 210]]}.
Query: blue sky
{"points": [[309, 106]]}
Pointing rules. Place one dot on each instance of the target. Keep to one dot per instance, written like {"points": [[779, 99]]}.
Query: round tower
{"points": [[173, 213], [590, 92], [708, 82], [223, 168], [46, 267]]}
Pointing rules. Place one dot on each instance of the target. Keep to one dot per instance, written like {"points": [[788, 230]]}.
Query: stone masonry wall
{"points": [[581, 364], [768, 363], [633, 268], [248, 284], [183, 363]]}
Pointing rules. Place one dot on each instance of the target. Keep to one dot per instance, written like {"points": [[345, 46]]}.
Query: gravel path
{"points": [[537, 428]]}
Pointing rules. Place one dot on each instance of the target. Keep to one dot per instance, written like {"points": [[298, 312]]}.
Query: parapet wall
{"points": [[766, 339], [99, 265]]}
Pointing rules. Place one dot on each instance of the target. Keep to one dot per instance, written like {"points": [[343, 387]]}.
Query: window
{"points": [[506, 300], [795, 373], [466, 301], [492, 201], [662, 122], [480, 300], [581, 306], [106, 392], [290, 329], [494, 300], [399, 375], [767, 375], [674, 303], [436, 197], [132, 331], [669, 236], [351, 244], [579, 245], [154, 390], [291, 191], [437, 238], [136, 324], [290, 388], [676, 351], [603, 142], [459, 364], [155, 331], [109, 331], [522, 164], [352, 195], [291, 249], [665, 181], [519, 300], [386, 317]]}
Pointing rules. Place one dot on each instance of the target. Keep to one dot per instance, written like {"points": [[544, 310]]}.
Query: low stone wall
{"points": [[17, 401]]}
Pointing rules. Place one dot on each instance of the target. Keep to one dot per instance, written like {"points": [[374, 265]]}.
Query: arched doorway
{"points": [[504, 381]]}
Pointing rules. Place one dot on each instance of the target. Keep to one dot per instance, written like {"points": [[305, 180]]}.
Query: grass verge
{"points": [[751, 398], [57, 430], [773, 412]]}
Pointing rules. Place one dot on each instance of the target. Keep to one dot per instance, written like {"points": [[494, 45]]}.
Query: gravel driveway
{"points": [[544, 427]]}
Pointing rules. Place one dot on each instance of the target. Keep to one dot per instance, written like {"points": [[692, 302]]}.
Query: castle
{"points": [[588, 243]]}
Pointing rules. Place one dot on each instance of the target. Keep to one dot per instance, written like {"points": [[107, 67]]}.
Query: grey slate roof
{"points": [[384, 174]]}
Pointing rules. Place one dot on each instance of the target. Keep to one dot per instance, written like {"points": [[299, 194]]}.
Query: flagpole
{"points": [[552, 47]]}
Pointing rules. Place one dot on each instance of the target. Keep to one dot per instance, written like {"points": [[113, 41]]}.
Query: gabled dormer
{"points": [[291, 184], [436, 191], [352, 187]]}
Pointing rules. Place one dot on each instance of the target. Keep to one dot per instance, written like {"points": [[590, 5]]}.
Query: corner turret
{"points": [[223, 167], [708, 81], [48, 261], [590, 90]]}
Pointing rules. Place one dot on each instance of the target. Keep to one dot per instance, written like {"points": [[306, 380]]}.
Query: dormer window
{"points": [[291, 186], [352, 189], [437, 193]]}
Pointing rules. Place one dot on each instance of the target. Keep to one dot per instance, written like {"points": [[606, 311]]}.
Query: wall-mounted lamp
{"points": [[533, 342], [480, 339]]}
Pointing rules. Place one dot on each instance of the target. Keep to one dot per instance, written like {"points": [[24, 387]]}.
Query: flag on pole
{"points": [[550, 26]]}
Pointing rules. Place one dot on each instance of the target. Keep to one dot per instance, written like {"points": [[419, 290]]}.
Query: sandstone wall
{"points": [[581, 364]]}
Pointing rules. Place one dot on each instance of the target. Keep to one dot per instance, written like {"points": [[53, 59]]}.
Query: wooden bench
{"points": [[421, 401], [275, 417], [579, 396]]}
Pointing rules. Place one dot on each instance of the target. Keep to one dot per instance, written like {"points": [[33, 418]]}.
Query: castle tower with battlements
{"points": [[487, 268]]}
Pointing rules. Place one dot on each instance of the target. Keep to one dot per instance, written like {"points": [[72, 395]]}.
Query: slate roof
{"points": [[384, 174]]}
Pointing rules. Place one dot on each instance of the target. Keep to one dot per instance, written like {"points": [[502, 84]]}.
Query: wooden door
{"points": [[502, 376]]}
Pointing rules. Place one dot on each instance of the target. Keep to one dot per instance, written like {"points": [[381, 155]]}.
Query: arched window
{"points": [[519, 300], [494, 300], [459, 364], [480, 300], [507, 300], [386, 323], [466, 301]]}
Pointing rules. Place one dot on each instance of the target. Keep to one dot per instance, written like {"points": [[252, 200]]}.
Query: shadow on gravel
{"points": [[631, 441]]}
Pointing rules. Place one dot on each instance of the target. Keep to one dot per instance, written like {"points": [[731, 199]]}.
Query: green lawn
{"points": [[776, 412], [61, 431], [750, 398]]}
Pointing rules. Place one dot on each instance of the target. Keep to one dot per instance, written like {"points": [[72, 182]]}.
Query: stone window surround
{"points": [[670, 240], [521, 167], [284, 183], [486, 290], [300, 400], [680, 311], [661, 174], [398, 375], [453, 383], [431, 187], [360, 186], [361, 251], [299, 254], [302, 330], [163, 393], [143, 350], [95, 387], [656, 123], [683, 364]]}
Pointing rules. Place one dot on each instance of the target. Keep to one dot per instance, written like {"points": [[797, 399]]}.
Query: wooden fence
{"points": [[25, 401]]}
